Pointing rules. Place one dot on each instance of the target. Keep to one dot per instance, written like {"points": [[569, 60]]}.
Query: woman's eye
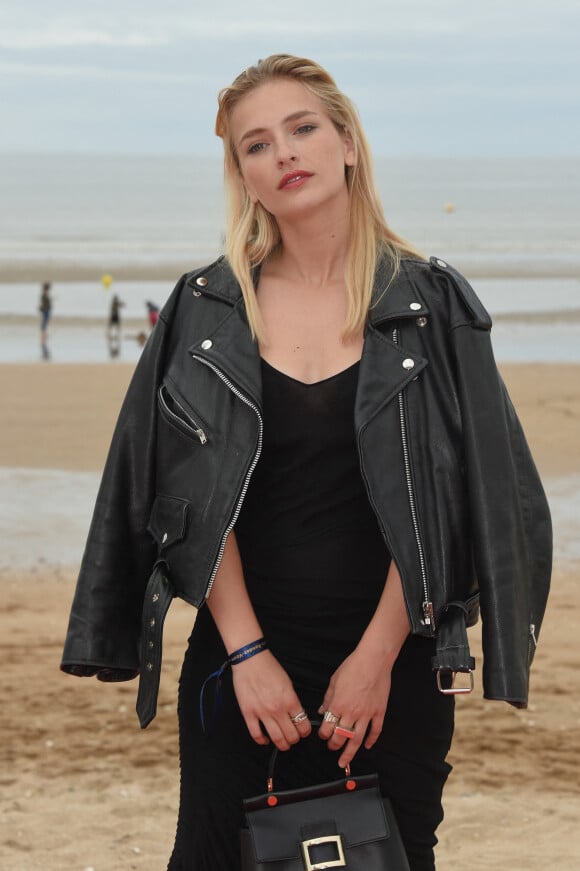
{"points": [[306, 128], [257, 146]]}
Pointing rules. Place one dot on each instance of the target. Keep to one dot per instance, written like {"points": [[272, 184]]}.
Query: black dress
{"points": [[315, 565]]}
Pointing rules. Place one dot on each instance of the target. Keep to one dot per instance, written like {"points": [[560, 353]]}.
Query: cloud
{"points": [[449, 71], [27, 41], [98, 73]]}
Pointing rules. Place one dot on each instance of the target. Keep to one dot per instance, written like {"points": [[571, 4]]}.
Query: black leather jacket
{"points": [[443, 456]]}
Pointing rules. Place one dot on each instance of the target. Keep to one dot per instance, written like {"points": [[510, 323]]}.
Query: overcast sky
{"points": [[435, 77]]}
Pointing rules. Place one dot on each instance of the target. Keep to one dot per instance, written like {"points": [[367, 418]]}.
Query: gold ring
{"points": [[344, 732], [329, 717], [300, 717]]}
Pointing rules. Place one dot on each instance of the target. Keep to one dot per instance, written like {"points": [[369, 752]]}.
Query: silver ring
{"points": [[329, 717], [300, 717]]}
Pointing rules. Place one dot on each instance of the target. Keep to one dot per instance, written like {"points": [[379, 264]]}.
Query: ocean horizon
{"points": [[489, 216], [512, 226]]}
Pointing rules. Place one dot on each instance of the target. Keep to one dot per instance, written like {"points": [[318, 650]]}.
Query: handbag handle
{"points": [[274, 756]]}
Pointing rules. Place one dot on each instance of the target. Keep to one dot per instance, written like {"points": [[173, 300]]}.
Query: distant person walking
{"points": [[152, 313], [114, 326], [45, 309]]}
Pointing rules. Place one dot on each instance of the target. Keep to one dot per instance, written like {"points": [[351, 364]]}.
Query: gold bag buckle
{"points": [[328, 863]]}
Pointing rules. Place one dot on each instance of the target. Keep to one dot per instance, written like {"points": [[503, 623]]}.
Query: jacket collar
{"points": [[392, 298], [217, 280], [395, 298], [386, 366]]}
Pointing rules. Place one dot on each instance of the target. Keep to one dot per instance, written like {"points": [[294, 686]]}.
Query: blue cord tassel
{"points": [[234, 658]]}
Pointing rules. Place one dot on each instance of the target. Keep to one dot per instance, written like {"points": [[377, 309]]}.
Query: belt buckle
{"points": [[327, 863], [455, 690]]}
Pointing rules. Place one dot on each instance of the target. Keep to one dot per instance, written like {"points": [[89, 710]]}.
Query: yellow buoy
{"points": [[449, 208], [107, 281]]}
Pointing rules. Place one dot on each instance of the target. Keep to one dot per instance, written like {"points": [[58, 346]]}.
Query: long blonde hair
{"points": [[253, 233]]}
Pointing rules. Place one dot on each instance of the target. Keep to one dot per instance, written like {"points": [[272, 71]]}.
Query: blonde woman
{"points": [[317, 452]]}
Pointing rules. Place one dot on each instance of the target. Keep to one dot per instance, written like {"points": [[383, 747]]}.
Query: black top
{"points": [[314, 558]]}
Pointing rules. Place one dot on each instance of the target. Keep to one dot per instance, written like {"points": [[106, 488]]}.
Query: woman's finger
{"points": [[281, 736], [256, 731], [350, 750], [330, 719], [374, 731], [302, 725]]}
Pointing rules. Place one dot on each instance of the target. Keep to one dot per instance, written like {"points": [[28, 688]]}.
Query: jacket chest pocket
{"points": [[178, 415]]}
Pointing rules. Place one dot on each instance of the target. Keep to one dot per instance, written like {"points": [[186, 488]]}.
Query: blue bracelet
{"points": [[234, 658], [246, 652]]}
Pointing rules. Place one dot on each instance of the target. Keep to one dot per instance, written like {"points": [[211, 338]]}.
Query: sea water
{"points": [[489, 217], [111, 211], [518, 219]]}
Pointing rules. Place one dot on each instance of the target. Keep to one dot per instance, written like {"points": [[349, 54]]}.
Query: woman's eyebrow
{"points": [[295, 116]]}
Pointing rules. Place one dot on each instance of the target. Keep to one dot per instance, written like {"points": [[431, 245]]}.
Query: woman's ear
{"points": [[251, 195], [349, 148]]}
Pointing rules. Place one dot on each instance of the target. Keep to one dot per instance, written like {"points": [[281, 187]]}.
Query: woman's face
{"points": [[292, 158]]}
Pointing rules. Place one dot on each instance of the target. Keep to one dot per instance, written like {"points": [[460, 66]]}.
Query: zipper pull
{"points": [[428, 617], [533, 634]]}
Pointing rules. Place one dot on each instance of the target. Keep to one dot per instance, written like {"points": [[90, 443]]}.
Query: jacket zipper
{"points": [[428, 613], [189, 423], [253, 465]]}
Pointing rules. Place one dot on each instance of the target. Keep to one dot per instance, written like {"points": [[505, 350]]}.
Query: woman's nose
{"points": [[285, 153]]}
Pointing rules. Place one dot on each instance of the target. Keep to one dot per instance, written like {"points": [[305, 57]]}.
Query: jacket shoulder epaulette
{"points": [[480, 316]]}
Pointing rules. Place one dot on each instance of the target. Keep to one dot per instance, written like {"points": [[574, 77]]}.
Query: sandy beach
{"points": [[84, 789]]}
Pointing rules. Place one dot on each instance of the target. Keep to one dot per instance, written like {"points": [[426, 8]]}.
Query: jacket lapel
{"points": [[231, 349], [385, 369], [387, 366]]}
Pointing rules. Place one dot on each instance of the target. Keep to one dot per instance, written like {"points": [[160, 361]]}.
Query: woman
{"points": [[316, 446]]}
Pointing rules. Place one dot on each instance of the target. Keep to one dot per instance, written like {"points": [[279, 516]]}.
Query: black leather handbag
{"points": [[342, 824]]}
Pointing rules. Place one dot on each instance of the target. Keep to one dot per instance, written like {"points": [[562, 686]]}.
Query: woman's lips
{"points": [[293, 179]]}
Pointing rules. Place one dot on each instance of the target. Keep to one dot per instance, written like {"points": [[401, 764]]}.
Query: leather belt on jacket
{"points": [[158, 597], [452, 650]]}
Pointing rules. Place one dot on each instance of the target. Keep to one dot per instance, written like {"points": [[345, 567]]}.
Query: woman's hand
{"points": [[357, 694], [266, 696], [263, 690], [359, 689]]}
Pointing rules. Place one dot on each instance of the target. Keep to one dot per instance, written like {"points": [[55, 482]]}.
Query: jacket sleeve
{"points": [[510, 518], [104, 625]]}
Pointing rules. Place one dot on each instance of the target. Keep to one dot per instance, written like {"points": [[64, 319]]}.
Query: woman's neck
{"points": [[313, 251]]}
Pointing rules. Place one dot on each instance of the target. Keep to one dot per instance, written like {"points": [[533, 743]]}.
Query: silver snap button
{"points": [[152, 622], [197, 292], [164, 539], [415, 306], [151, 645], [206, 344], [441, 263], [201, 281], [408, 363], [155, 597], [421, 322], [149, 666]]}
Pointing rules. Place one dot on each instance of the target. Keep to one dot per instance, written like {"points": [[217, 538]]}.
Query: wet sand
{"points": [[82, 787]]}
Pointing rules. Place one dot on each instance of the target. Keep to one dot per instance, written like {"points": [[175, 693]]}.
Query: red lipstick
{"points": [[294, 179]]}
